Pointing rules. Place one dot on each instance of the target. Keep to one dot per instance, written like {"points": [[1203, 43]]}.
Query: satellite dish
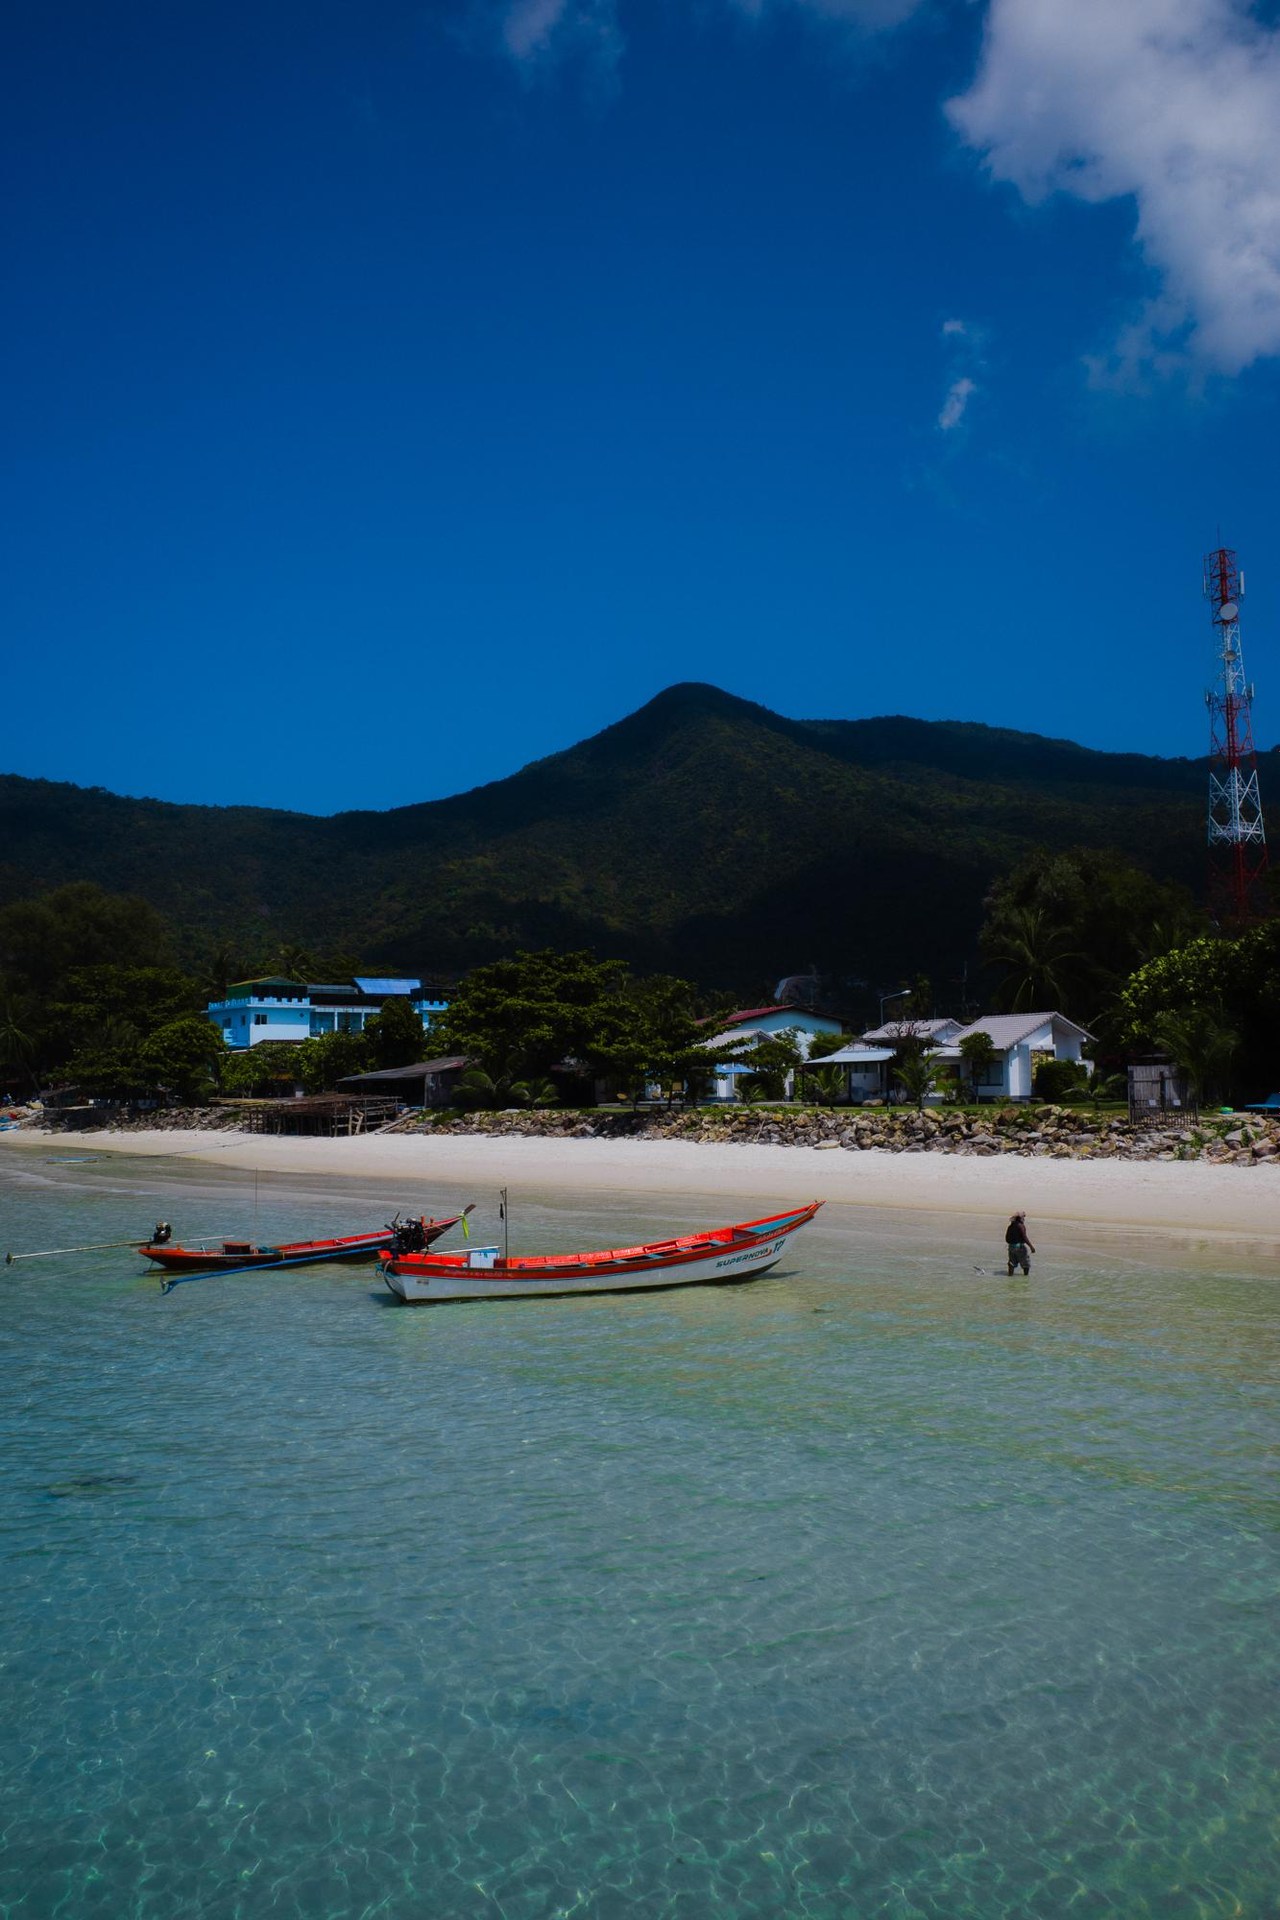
{"points": [[1228, 611]]}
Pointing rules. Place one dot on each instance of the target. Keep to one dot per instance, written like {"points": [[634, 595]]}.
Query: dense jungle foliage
{"points": [[703, 837]]}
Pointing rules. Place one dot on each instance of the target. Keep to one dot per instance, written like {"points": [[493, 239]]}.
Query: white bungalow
{"points": [[754, 1023], [1021, 1041], [865, 1069]]}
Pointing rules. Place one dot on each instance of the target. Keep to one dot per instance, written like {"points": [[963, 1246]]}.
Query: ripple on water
{"points": [[884, 1587]]}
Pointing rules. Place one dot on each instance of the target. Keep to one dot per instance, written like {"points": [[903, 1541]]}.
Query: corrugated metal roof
{"points": [[449, 1063], [1006, 1029], [370, 983], [734, 1037], [758, 1013], [853, 1057], [905, 1029]]}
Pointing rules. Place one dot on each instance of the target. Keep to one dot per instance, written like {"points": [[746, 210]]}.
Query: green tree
{"points": [[183, 1056], [978, 1054], [772, 1060], [821, 1086], [918, 1072], [1199, 1040], [1036, 960], [477, 1090], [219, 970], [270, 1070], [657, 1038], [98, 1032], [17, 1046], [327, 1058], [1064, 930], [295, 962], [43, 940], [395, 1035], [821, 1044], [525, 1015], [1234, 982]]}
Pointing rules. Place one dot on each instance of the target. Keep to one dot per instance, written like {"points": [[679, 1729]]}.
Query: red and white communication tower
{"points": [[1237, 840]]}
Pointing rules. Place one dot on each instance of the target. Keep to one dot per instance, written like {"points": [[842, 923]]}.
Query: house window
{"points": [[259, 1019], [992, 1075]]}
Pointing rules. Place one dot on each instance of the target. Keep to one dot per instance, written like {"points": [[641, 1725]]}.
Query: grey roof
{"points": [[448, 1064], [853, 1056], [1006, 1029], [734, 1037], [908, 1029]]}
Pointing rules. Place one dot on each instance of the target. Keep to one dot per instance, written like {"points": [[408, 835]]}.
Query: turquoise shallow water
{"points": [[881, 1587]]}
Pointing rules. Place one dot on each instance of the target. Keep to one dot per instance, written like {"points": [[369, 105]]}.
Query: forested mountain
{"points": [[702, 835]]}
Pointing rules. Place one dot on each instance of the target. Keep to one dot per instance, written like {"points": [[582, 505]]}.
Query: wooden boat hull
{"points": [[239, 1256], [198, 1260], [725, 1257]]}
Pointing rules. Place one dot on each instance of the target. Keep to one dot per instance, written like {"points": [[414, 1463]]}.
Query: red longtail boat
{"points": [[239, 1256]]}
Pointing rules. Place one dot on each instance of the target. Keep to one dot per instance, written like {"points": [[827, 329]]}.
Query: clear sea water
{"points": [[883, 1586]]}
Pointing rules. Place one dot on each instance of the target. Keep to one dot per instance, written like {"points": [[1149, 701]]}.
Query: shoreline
{"points": [[1171, 1198]]}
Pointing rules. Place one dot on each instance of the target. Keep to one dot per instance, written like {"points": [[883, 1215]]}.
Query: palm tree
{"points": [[918, 1072], [1201, 1044], [15, 1043], [821, 1086], [295, 962], [478, 1089], [218, 972], [1036, 958]]}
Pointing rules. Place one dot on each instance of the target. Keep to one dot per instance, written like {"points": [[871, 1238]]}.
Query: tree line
{"points": [[93, 992]]}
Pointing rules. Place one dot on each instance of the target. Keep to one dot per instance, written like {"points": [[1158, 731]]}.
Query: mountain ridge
{"points": [[702, 833]]}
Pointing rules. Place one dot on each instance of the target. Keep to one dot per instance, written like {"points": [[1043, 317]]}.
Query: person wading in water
{"points": [[1019, 1246]]}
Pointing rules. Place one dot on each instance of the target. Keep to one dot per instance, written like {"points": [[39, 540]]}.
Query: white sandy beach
{"points": [[1181, 1198]]}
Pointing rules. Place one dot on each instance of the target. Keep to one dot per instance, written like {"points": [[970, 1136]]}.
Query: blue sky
{"points": [[399, 394]]}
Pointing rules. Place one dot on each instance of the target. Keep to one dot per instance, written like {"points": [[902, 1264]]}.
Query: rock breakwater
{"points": [[1062, 1133]]}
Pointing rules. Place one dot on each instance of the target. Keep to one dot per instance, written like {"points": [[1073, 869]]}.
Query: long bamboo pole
{"points": [[94, 1246]]}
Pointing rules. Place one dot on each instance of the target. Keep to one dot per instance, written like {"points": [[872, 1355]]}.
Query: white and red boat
{"points": [[695, 1259]]}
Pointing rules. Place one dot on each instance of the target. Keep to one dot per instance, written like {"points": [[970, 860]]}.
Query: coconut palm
{"points": [[1037, 958], [918, 1072], [16, 1047], [1202, 1045]]}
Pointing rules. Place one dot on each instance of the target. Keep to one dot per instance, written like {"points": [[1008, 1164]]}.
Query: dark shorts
{"points": [[1019, 1255]]}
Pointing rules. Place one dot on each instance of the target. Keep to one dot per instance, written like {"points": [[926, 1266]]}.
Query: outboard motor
{"points": [[409, 1237]]}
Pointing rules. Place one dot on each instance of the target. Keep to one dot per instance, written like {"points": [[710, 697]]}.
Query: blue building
{"points": [[277, 1009]]}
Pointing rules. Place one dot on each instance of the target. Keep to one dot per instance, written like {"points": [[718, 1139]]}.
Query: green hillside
{"points": [[703, 834]]}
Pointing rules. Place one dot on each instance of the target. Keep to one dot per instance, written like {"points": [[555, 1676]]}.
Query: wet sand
{"points": [[1173, 1197]]}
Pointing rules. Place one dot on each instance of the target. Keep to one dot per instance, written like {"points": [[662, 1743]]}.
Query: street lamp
{"points": [[885, 998]]}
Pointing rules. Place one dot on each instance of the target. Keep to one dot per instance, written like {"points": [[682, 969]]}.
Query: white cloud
{"points": [[958, 396], [538, 33], [1175, 103], [966, 351]]}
